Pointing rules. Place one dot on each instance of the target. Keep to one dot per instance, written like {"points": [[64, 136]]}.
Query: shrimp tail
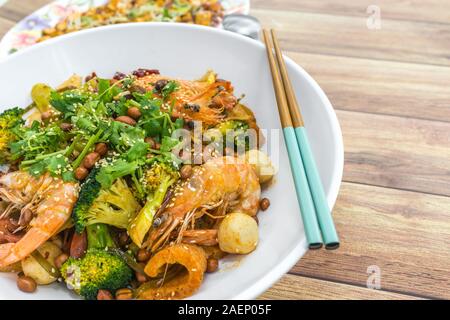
{"points": [[20, 250]]}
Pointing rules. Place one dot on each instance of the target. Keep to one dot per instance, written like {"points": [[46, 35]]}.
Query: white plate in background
{"points": [[27, 31]]}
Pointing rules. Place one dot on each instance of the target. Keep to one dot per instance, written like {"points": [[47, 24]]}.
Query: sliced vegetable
{"points": [[40, 93], [157, 181], [40, 265]]}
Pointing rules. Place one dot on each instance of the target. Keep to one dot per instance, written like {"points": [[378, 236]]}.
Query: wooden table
{"points": [[391, 91]]}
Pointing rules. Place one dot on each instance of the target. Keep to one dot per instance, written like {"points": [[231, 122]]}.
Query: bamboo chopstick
{"points": [[304, 198], [322, 210]]}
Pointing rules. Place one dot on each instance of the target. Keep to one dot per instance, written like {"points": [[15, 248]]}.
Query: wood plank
{"points": [[5, 25], [308, 32], [419, 10], [402, 89], [429, 11], [349, 36], [405, 234], [16, 10], [292, 287], [396, 152]]}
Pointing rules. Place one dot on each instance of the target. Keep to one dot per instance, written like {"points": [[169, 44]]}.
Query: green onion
{"points": [[128, 259], [42, 157], [88, 146], [134, 103], [72, 146], [51, 270]]}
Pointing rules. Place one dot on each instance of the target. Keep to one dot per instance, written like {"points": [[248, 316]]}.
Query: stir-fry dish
{"points": [[129, 188], [203, 12]]}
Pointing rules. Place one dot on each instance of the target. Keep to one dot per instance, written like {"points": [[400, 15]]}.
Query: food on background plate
{"points": [[203, 12], [97, 188]]}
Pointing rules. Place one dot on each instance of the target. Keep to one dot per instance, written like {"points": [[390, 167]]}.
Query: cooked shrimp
{"points": [[201, 237], [50, 199], [17, 189], [15, 267], [190, 257], [7, 232], [224, 182], [199, 100]]}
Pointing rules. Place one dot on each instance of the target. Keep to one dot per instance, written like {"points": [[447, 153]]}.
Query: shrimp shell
{"points": [[52, 201], [220, 180], [192, 257], [15, 267], [201, 237], [19, 188]]}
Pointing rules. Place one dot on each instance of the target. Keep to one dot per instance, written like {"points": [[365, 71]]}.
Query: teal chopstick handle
{"points": [[304, 198], [326, 223]]}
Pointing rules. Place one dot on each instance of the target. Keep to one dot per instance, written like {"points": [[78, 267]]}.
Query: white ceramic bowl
{"points": [[187, 51]]}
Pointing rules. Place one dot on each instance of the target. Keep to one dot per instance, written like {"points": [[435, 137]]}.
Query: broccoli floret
{"points": [[98, 237], [115, 206], [158, 179], [9, 119], [99, 268], [88, 193], [160, 176], [117, 169]]}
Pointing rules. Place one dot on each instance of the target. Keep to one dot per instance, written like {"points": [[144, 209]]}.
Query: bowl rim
{"points": [[300, 249]]}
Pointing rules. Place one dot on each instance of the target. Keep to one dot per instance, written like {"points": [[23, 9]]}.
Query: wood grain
{"points": [[419, 10], [395, 88], [349, 36], [16, 10], [5, 25], [391, 89], [405, 234], [292, 287], [396, 152]]}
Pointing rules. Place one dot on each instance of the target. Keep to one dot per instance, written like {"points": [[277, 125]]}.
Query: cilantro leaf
{"points": [[137, 151], [67, 101], [56, 165], [119, 168], [117, 108], [36, 141], [106, 92], [168, 143], [152, 127], [85, 124], [169, 88]]}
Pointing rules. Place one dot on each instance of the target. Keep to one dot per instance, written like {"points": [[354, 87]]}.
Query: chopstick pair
{"points": [[316, 215]]}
